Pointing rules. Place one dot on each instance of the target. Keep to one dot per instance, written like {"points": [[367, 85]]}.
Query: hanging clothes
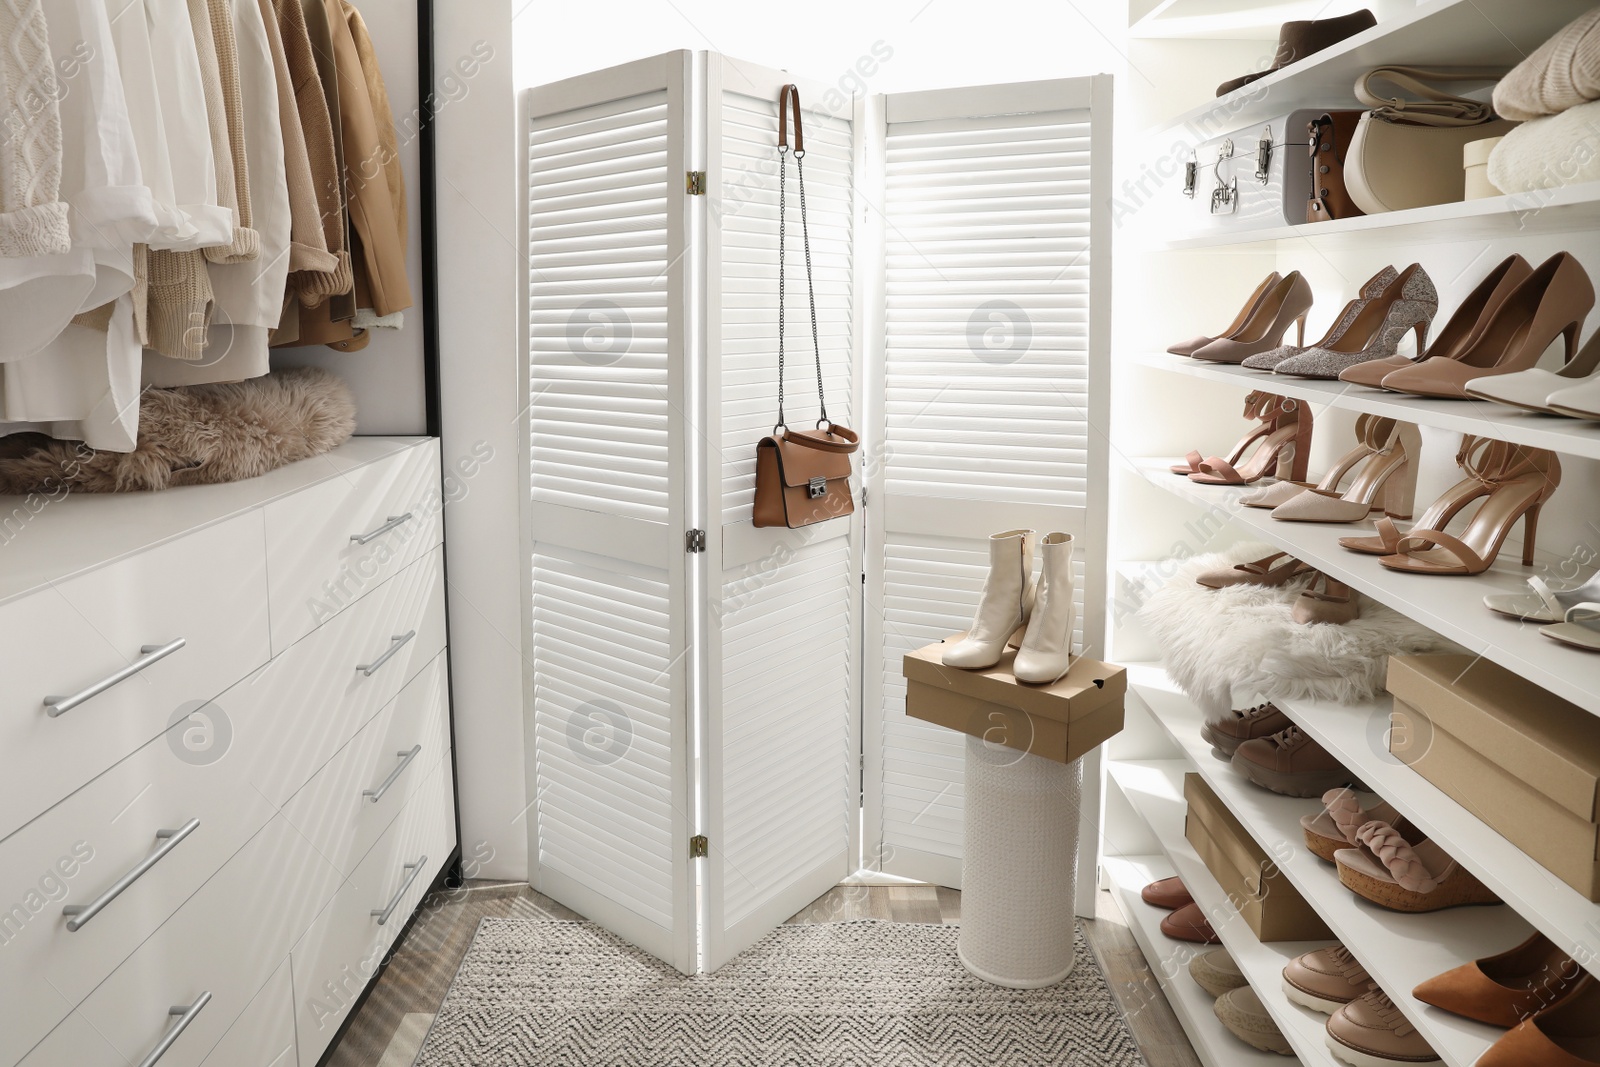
{"points": [[310, 283], [247, 294]]}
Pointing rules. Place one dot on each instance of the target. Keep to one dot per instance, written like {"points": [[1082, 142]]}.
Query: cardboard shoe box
{"points": [[1266, 901], [1521, 759], [1062, 721]]}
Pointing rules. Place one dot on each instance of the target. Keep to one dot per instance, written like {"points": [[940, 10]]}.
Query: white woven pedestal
{"points": [[1019, 870]]}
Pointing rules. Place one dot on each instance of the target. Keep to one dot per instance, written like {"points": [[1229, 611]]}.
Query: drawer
{"points": [[294, 714], [78, 850], [388, 758], [208, 588], [346, 946], [228, 940], [264, 1034], [73, 1044], [332, 545]]}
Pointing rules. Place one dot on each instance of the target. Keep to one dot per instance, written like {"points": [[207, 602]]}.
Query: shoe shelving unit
{"points": [[1188, 276]]}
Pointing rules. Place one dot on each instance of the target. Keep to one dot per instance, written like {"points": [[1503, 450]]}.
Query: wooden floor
{"points": [[389, 1028]]}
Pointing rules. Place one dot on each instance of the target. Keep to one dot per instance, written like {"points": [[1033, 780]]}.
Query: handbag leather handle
{"points": [[848, 441], [1437, 107], [785, 94]]}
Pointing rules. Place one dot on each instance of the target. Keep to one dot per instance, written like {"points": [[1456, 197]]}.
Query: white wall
{"points": [[931, 43], [477, 215]]}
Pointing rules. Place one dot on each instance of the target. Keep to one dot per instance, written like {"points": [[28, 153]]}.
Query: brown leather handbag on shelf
{"points": [[802, 476], [1329, 135]]}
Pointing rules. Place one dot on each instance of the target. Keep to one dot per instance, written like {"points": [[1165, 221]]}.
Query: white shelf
{"points": [[1355, 736], [1169, 961], [1563, 210], [1438, 33], [1452, 606], [1570, 437], [1398, 950]]}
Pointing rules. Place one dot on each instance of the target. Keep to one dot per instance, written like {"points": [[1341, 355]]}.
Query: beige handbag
{"points": [[1407, 152]]}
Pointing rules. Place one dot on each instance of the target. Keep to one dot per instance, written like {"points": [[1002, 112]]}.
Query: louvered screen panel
{"points": [[747, 214], [986, 324], [598, 299], [786, 732], [602, 717]]}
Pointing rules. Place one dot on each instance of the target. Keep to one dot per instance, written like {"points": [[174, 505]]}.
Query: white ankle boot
{"points": [[1046, 650], [1005, 605]]}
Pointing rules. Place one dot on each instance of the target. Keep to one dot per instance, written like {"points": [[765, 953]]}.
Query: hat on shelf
{"points": [[1296, 40]]}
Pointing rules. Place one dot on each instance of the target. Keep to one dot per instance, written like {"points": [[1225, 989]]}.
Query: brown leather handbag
{"points": [[1330, 135], [802, 476]]}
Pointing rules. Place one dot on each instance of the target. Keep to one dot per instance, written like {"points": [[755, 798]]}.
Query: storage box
{"points": [[1518, 757], [1063, 721], [1475, 160], [1266, 901]]}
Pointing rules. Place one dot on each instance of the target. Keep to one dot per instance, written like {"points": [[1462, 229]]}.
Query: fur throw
{"points": [[197, 435], [1230, 647]]}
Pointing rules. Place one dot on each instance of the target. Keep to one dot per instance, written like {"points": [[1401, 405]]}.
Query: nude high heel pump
{"points": [[1520, 483], [1282, 492], [1551, 302], [1370, 290], [1285, 452], [1286, 304], [1003, 610], [1463, 326], [1387, 482], [1046, 650], [1476, 456], [1408, 304], [1189, 347]]}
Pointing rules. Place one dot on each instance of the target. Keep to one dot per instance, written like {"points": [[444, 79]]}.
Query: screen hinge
{"points": [[695, 183], [694, 541], [699, 847]]}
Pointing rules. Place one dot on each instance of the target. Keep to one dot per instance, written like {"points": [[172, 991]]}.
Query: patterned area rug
{"points": [[854, 994]]}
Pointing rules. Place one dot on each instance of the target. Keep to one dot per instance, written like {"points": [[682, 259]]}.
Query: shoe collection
{"points": [[1034, 618], [1502, 484], [1538, 993], [1488, 349]]}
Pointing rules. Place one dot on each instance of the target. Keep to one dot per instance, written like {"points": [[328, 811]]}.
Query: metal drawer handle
{"points": [[382, 914], [78, 915], [187, 1015], [376, 795], [396, 643], [149, 654], [394, 520]]}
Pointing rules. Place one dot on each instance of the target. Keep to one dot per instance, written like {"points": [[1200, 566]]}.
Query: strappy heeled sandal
{"points": [[1265, 571], [1518, 486], [1409, 876], [1334, 827], [1258, 405], [1543, 604], [1325, 600], [1285, 452], [1387, 482], [1470, 458], [1581, 628], [1282, 492]]}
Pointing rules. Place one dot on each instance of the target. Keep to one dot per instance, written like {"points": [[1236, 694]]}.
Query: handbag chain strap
{"points": [[787, 94], [1437, 107]]}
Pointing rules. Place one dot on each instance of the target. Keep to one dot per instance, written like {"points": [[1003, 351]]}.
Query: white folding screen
{"points": [[992, 403], [782, 701], [725, 698], [610, 669]]}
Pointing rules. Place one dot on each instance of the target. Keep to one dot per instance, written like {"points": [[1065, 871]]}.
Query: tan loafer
{"points": [[1370, 1032]]}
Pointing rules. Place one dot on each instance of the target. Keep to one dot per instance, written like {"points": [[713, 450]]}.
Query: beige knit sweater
{"points": [[1561, 73], [246, 244], [308, 247]]}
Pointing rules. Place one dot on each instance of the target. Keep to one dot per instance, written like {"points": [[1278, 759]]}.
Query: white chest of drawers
{"points": [[224, 757]]}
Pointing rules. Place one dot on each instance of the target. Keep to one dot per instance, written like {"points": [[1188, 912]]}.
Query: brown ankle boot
{"points": [[1290, 763]]}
